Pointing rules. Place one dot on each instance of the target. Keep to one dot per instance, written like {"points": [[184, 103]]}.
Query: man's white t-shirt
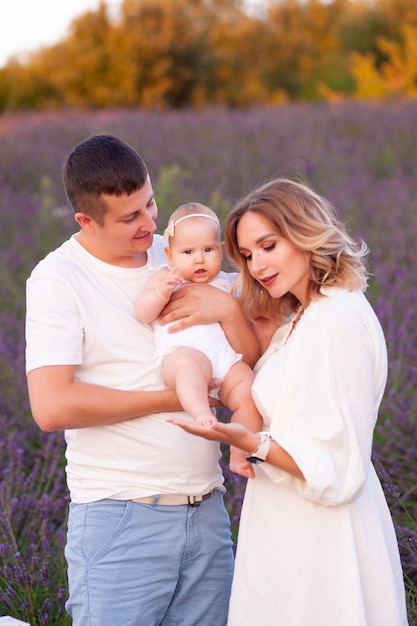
{"points": [[80, 311]]}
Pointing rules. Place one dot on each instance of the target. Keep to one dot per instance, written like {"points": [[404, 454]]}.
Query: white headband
{"points": [[169, 231]]}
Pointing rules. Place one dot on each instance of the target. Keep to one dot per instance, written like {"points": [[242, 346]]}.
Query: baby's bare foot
{"points": [[207, 421]]}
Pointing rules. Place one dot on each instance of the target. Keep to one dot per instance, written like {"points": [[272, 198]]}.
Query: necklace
{"points": [[295, 321]]}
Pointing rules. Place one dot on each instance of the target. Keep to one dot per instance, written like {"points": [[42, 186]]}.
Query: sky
{"points": [[26, 25]]}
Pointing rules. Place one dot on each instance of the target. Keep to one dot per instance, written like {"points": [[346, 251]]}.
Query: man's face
{"points": [[127, 229]]}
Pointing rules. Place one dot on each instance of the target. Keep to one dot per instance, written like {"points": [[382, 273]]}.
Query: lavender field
{"points": [[363, 157]]}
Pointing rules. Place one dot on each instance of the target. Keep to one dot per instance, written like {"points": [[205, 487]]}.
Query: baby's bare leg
{"points": [[189, 372], [236, 393]]}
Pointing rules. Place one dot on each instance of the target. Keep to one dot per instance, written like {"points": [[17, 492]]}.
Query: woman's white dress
{"points": [[320, 552]]}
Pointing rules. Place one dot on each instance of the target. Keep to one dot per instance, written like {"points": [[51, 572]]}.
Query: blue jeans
{"points": [[132, 564]]}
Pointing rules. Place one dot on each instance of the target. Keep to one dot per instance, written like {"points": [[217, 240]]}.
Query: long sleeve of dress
{"points": [[321, 388]]}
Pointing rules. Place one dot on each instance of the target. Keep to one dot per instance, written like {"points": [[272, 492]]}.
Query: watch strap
{"points": [[261, 451]]}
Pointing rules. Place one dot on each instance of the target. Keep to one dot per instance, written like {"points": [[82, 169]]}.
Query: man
{"points": [[148, 535]]}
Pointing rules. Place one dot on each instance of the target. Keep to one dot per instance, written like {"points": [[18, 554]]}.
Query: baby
{"points": [[190, 359]]}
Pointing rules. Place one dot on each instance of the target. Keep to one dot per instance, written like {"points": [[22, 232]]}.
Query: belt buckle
{"points": [[195, 501]]}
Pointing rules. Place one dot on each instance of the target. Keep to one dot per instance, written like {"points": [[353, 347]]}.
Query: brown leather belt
{"points": [[172, 499]]}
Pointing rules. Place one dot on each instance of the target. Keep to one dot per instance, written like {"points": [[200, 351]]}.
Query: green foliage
{"points": [[168, 190]]}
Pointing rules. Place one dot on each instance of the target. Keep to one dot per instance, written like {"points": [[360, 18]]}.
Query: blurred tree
{"points": [[238, 48], [369, 82], [360, 25], [90, 68], [398, 12], [301, 43], [189, 53], [169, 50], [400, 71], [26, 86], [85, 69], [397, 76]]}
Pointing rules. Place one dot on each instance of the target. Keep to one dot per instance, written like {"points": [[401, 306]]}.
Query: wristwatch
{"points": [[261, 451]]}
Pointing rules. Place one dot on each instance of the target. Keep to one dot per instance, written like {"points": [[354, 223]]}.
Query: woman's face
{"points": [[271, 259]]}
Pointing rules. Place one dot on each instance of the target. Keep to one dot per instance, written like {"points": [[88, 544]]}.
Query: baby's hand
{"points": [[239, 463], [169, 281]]}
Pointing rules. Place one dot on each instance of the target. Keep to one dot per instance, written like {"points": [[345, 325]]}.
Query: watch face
{"points": [[254, 459]]}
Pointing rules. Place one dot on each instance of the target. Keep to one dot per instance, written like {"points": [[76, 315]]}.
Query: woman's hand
{"points": [[240, 437], [232, 434]]}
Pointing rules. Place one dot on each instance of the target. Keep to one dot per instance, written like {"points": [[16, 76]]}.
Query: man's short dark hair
{"points": [[101, 164]]}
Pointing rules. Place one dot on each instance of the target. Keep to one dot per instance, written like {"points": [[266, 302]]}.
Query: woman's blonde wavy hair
{"points": [[309, 222]]}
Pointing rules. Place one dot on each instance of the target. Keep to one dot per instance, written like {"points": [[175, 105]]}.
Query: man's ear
{"points": [[84, 221]]}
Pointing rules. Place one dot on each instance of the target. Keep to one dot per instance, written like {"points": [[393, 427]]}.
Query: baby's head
{"points": [[194, 242]]}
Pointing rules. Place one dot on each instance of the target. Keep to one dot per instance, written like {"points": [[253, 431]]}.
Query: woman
{"points": [[316, 544]]}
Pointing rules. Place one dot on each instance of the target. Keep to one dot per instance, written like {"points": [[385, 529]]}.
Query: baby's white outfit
{"points": [[207, 338]]}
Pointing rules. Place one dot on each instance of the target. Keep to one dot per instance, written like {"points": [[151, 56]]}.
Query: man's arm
{"points": [[58, 402], [204, 304]]}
